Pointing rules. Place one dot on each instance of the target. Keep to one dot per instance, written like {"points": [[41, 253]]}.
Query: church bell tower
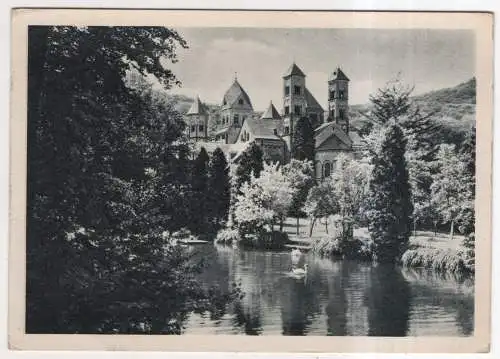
{"points": [[338, 99], [294, 97]]}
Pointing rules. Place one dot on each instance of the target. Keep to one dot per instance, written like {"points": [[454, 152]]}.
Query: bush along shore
{"points": [[272, 240], [429, 252]]}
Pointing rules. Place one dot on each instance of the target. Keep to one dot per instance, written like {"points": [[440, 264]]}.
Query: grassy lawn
{"points": [[422, 239]]}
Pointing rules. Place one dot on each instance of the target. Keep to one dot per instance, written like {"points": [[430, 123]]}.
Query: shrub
{"points": [[329, 245], [339, 245], [439, 260], [227, 236], [469, 252]]}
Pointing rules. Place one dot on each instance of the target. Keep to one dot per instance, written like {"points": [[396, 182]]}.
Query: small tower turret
{"points": [[197, 121]]}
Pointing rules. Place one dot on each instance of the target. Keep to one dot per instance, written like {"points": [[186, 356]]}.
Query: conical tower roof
{"points": [[197, 108], [293, 70], [338, 74], [271, 113]]}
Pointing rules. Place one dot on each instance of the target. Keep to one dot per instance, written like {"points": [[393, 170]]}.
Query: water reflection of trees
{"points": [[388, 299], [453, 294], [248, 319], [346, 310], [348, 297], [216, 278], [299, 303]]}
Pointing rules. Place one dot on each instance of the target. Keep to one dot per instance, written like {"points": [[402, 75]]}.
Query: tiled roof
{"points": [[293, 70], [234, 92], [329, 129], [271, 113], [321, 127], [353, 134], [311, 101], [225, 147], [223, 130], [338, 74], [197, 108], [264, 128]]}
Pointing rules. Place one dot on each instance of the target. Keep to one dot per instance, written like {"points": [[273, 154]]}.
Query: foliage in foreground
{"points": [[105, 179]]}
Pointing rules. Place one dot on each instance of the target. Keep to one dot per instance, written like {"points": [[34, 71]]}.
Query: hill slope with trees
{"points": [[453, 110]]}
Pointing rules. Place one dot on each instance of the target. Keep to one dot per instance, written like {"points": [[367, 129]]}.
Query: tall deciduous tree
{"points": [[303, 140], [390, 207], [453, 190], [219, 187], [467, 154], [263, 201], [467, 227], [301, 176], [350, 187], [321, 202]]}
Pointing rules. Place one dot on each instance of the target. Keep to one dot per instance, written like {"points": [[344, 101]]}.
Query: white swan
{"points": [[296, 255], [300, 271]]}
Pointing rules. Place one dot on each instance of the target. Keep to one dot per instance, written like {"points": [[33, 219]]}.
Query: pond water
{"points": [[335, 298]]}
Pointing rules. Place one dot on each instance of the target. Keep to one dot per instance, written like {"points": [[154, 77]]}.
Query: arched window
{"points": [[327, 169]]}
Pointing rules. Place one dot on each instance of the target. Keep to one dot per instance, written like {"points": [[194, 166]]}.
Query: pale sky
{"points": [[427, 59]]}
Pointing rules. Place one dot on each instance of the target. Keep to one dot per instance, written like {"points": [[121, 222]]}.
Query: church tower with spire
{"points": [[338, 99], [294, 98]]}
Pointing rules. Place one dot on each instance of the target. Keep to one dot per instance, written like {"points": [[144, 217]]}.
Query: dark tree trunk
{"points": [[313, 221], [298, 225]]}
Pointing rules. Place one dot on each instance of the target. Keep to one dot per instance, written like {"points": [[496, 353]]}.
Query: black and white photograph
{"points": [[264, 180]]}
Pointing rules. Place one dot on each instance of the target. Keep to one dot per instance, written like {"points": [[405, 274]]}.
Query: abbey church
{"points": [[238, 124]]}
